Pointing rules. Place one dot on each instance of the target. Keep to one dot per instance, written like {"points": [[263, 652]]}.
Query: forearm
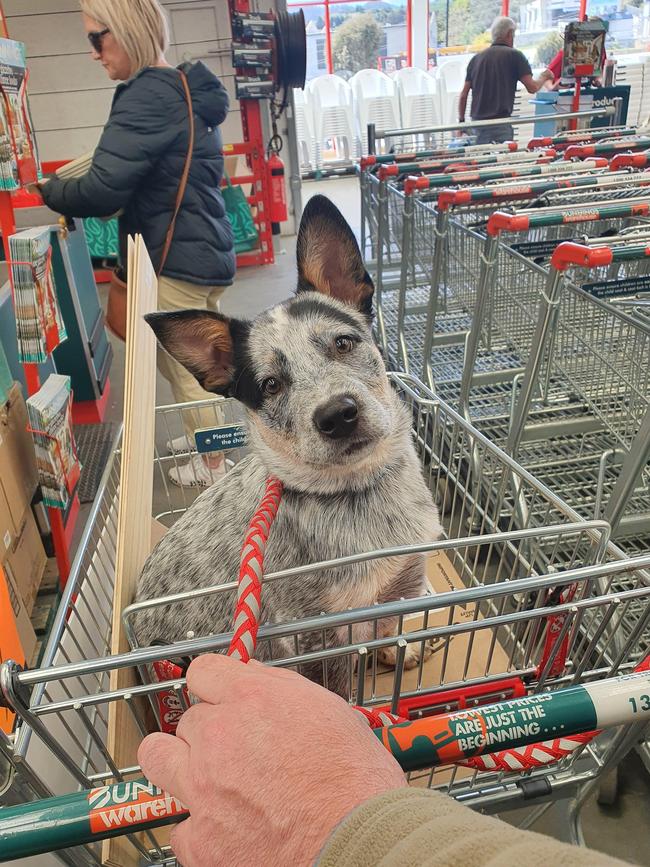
{"points": [[402, 826], [462, 107], [539, 82]]}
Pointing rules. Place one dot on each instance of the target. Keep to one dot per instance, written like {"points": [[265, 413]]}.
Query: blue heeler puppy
{"points": [[323, 418]]}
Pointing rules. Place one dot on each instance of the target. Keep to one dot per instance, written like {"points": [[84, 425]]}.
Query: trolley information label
{"points": [[614, 288], [537, 248], [220, 439], [453, 737]]}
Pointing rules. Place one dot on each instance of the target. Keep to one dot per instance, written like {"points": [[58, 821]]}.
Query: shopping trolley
{"points": [[505, 312], [444, 281], [397, 139], [637, 160], [505, 610], [606, 147], [564, 139], [453, 163], [598, 460], [368, 181], [369, 164], [394, 252]]}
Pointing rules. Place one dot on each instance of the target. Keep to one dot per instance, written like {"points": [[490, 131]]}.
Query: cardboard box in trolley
{"points": [[465, 656]]}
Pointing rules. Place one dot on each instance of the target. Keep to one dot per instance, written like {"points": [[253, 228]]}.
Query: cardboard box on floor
{"points": [[21, 550], [25, 560], [17, 638], [18, 472]]}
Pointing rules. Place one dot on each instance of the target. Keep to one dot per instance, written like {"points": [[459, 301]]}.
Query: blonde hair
{"points": [[139, 26]]}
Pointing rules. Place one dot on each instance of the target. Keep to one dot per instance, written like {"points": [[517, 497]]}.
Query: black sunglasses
{"points": [[95, 38]]}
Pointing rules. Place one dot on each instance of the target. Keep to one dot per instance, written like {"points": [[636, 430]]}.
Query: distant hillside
{"points": [[313, 13]]}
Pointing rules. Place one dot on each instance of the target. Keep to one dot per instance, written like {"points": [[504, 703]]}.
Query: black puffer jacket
{"points": [[138, 165]]}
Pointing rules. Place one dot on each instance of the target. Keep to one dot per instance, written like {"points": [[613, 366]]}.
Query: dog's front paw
{"points": [[414, 652]]}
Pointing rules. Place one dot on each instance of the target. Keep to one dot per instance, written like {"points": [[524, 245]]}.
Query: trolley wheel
{"points": [[608, 789]]}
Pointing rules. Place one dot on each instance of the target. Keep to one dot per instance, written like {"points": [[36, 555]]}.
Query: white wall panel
{"points": [[70, 95]]}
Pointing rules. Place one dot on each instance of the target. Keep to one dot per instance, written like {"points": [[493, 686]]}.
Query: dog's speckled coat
{"points": [[341, 496]]}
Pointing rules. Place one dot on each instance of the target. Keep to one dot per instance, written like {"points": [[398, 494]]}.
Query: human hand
{"points": [[268, 764]]}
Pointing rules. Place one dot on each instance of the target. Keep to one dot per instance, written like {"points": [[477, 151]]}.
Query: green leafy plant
{"points": [[356, 43]]}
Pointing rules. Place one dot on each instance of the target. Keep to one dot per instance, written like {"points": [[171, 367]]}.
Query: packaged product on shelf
{"points": [[50, 418], [18, 157], [39, 324]]}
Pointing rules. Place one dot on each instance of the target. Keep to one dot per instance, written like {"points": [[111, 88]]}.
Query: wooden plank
{"points": [[134, 514]]}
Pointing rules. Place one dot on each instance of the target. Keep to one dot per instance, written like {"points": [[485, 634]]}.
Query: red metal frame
{"points": [[253, 148], [575, 105], [328, 39], [91, 411], [254, 151], [328, 29], [409, 33]]}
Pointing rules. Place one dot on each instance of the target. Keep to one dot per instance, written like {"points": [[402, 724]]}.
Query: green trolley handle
{"points": [[109, 811]]}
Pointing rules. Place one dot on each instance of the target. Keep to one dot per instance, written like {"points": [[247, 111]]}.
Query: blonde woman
{"points": [[137, 170]]}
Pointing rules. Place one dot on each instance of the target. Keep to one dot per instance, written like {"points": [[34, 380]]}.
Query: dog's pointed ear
{"points": [[328, 256], [201, 341]]}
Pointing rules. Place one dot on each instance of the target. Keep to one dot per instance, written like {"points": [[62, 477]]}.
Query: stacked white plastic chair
{"points": [[376, 102], [633, 72], [451, 78], [332, 109], [419, 103], [304, 130]]}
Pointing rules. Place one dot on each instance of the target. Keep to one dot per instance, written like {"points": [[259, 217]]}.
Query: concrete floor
{"points": [[622, 830]]}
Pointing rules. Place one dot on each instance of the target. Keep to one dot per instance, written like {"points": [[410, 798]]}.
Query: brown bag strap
{"points": [[186, 173]]}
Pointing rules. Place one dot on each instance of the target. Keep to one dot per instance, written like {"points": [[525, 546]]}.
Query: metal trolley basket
{"points": [[534, 609]]}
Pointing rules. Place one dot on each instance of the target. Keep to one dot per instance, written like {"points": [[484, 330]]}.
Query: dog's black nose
{"points": [[337, 418]]}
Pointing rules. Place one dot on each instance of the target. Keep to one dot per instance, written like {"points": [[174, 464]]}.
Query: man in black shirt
{"points": [[492, 76]]}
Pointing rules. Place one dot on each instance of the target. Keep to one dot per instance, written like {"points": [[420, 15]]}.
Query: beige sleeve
{"points": [[414, 828]]}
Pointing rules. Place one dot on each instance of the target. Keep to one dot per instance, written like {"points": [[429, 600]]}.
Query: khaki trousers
{"points": [[180, 295]]}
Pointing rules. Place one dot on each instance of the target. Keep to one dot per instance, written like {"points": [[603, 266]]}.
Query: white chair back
{"points": [[334, 121], [376, 102]]}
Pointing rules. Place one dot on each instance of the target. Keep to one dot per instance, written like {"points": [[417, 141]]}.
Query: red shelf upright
{"points": [[254, 150]]}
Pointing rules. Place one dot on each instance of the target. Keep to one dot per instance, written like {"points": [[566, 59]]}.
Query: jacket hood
{"points": [[209, 96]]}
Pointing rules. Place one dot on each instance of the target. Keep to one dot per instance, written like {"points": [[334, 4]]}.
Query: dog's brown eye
{"points": [[271, 385], [344, 344]]}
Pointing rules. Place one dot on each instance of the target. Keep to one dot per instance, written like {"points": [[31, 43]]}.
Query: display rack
{"points": [[253, 148], [62, 526]]}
